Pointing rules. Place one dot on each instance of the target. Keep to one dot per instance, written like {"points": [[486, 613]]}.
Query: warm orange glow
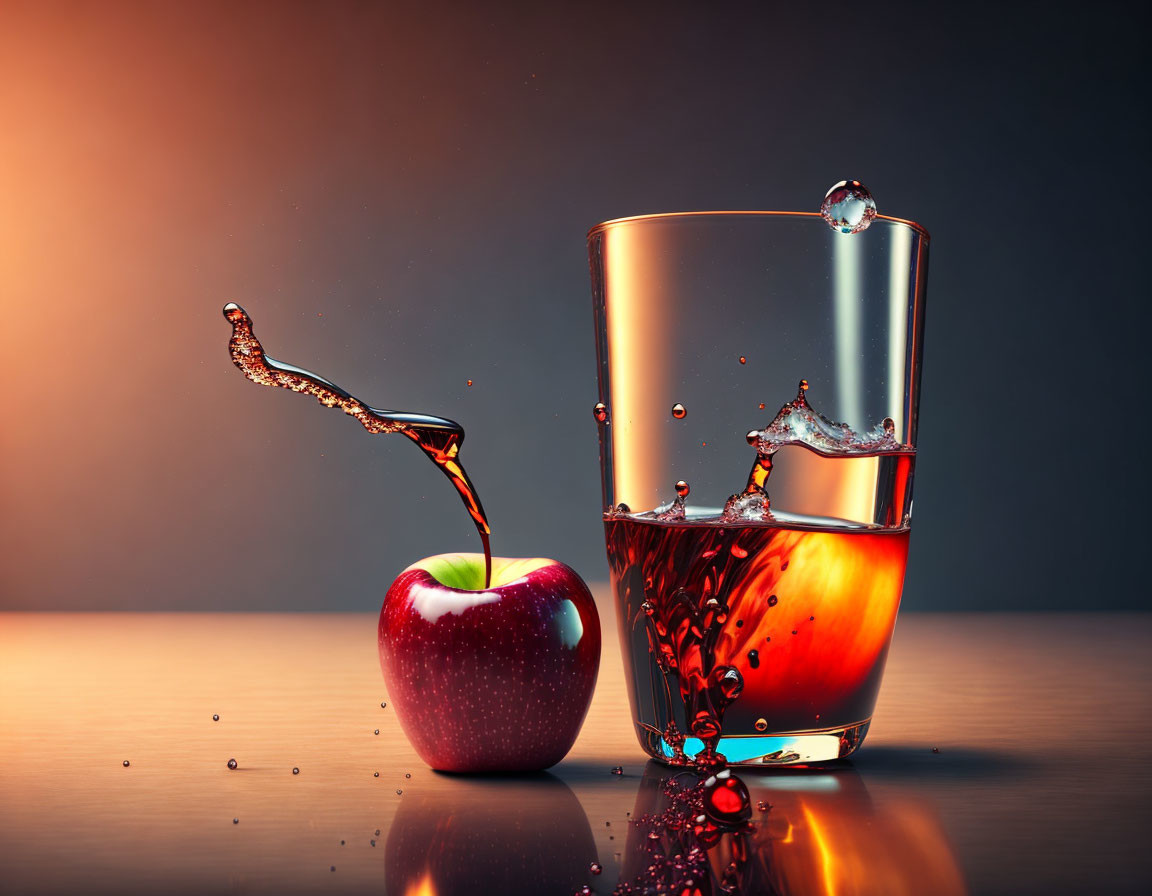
{"points": [[637, 335], [826, 865], [422, 887]]}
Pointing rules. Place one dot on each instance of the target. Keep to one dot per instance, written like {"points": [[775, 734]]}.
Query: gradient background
{"points": [[399, 194]]}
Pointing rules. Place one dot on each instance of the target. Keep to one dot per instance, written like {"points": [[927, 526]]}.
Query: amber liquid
{"points": [[804, 612], [439, 438]]}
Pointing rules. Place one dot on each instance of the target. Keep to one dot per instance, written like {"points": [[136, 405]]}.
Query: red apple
{"points": [[489, 679]]}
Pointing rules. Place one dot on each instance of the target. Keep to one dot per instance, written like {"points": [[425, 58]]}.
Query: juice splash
{"points": [[792, 615], [440, 439]]}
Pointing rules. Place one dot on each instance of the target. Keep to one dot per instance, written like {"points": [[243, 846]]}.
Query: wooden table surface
{"points": [[1040, 785]]}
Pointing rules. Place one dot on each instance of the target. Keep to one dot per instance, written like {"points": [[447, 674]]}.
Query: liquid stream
{"points": [[439, 438]]}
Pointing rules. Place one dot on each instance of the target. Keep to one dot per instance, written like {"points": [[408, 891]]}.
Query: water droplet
{"points": [[743, 360], [595, 868], [600, 412], [752, 437], [341, 842], [739, 552], [215, 718], [235, 821], [377, 731], [811, 618], [772, 600], [647, 608], [682, 488], [623, 508], [889, 425], [383, 705], [408, 775], [679, 411], [803, 387], [126, 763], [398, 791], [373, 842], [763, 806], [233, 764], [754, 659], [375, 774], [761, 405], [469, 382], [935, 749], [848, 207], [618, 770], [295, 771], [584, 891], [761, 724]]}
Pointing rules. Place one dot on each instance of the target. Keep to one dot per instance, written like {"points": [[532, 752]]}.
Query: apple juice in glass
{"points": [[759, 384]]}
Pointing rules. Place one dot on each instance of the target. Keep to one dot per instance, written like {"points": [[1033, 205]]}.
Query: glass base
{"points": [[760, 750]]}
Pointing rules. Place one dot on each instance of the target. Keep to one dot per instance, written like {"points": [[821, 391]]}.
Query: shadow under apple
{"points": [[508, 834]]}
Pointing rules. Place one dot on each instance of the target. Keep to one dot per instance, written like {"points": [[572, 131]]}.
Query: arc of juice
{"points": [[438, 437]]}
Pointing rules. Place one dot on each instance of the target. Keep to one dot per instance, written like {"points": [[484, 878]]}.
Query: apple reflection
{"points": [[509, 834], [824, 834]]}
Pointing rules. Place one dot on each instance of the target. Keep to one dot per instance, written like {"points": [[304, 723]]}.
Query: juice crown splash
{"points": [[438, 437]]}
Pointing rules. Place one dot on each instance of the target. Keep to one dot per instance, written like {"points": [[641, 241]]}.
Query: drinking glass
{"points": [[764, 619]]}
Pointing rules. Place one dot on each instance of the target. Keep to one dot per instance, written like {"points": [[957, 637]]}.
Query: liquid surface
{"points": [[439, 438]]}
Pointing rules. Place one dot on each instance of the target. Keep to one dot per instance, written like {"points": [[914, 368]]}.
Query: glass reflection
{"points": [[813, 833], [524, 833]]}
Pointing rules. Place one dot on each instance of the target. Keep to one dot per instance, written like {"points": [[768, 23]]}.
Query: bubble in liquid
{"points": [[761, 724], [679, 411], [848, 207], [233, 764], [682, 488], [126, 763], [754, 659], [600, 412], [215, 717], [772, 600], [595, 868], [295, 771]]}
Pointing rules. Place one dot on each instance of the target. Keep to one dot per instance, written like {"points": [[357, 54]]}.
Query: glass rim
{"points": [[614, 222]]}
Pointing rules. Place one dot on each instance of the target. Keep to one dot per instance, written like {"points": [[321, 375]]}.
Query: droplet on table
{"points": [[233, 764], [215, 717], [295, 771], [126, 763]]}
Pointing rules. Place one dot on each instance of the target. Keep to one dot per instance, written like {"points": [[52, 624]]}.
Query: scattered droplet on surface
{"points": [[235, 821], [399, 791], [126, 763], [761, 724], [215, 717], [341, 842], [848, 207], [377, 731], [408, 775], [618, 770], [383, 705], [934, 750], [375, 774], [595, 868], [233, 764], [682, 488], [295, 771], [679, 411], [600, 412]]}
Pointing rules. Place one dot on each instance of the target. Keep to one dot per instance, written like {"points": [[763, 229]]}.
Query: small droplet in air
{"points": [[761, 405], [761, 724], [682, 488], [233, 764], [295, 771], [618, 770], [600, 412], [848, 207], [935, 749], [772, 600], [469, 382], [215, 717], [743, 360], [595, 868], [679, 411], [126, 763], [803, 385], [623, 508]]}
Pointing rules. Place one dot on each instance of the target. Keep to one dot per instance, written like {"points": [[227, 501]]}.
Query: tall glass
{"points": [[757, 565]]}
